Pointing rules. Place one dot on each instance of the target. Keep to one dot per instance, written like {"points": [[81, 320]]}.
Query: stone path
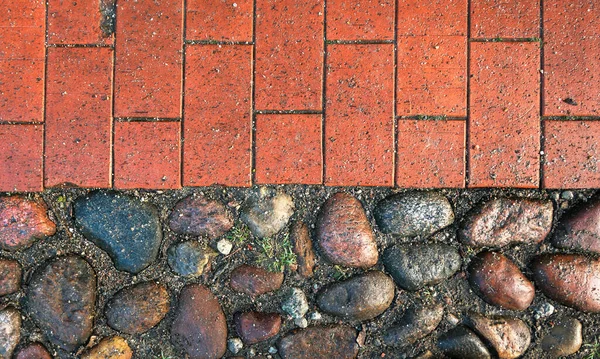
{"points": [[299, 272], [408, 93]]}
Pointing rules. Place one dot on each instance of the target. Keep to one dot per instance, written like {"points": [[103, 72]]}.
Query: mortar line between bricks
{"points": [[571, 118], [81, 45], [252, 102], [358, 42], [512, 39], [112, 116], [323, 95], [213, 42], [288, 112], [542, 152], [467, 138], [432, 118], [395, 158], [146, 119], [36, 123], [45, 77], [182, 104]]}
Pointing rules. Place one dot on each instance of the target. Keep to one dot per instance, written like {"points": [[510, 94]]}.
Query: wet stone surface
{"points": [[415, 323], [563, 339], [10, 276], [255, 281], [22, 222], [190, 258], [198, 216], [320, 342]]}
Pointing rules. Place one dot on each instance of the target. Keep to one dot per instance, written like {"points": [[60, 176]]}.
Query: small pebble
{"points": [[235, 345], [301, 322], [315, 316], [272, 350], [543, 310], [224, 247], [567, 195], [295, 303]]}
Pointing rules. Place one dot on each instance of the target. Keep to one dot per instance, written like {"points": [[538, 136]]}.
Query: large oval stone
{"points": [[199, 328], [499, 281], [580, 229], [110, 348], [362, 297], [61, 299], [344, 233], [10, 331], [416, 323], [254, 327], [503, 221], [563, 339], [338, 342], [571, 279], [416, 265], [126, 228], [22, 222], [510, 337], [136, 309], [267, 212], [33, 351], [10, 276], [255, 281], [461, 343], [199, 216], [414, 214]]}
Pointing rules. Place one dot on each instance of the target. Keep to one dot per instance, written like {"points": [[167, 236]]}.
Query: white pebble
{"points": [[301, 322], [272, 350], [315, 316], [224, 247], [235, 345]]}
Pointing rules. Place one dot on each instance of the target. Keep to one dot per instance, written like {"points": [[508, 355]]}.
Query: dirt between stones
{"points": [[454, 293]]}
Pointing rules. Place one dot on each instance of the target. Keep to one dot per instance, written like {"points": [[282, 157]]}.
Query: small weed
{"points": [[275, 256], [594, 350], [164, 356], [433, 118], [339, 273], [238, 234]]}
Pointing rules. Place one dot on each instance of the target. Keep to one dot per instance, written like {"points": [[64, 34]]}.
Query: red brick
{"points": [[147, 155], [431, 154], [148, 58], [504, 120], [359, 127], [505, 19], [22, 60], [218, 124], [289, 55], [572, 154], [78, 117], [571, 58], [21, 158], [80, 22], [221, 20], [435, 17], [432, 75], [360, 20], [288, 149]]}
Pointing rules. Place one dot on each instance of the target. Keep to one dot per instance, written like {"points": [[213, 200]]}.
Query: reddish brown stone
{"points": [[254, 327], [344, 232], [580, 229], [138, 308], [22, 222], [503, 221], [255, 281], [10, 276], [305, 256], [500, 282], [33, 351], [510, 337], [570, 279], [110, 348], [320, 342], [199, 328], [199, 216]]}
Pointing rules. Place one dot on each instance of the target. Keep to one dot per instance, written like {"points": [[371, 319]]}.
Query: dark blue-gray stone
{"points": [[126, 228]]}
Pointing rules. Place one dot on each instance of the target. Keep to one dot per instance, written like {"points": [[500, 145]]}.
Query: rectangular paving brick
{"points": [[504, 123], [21, 152], [147, 155], [78, 117], [360, 20], [431, 154], [432, 76], [218, 124], [288, 149], [571, 58], [505, 19], [22, 54], [81, 22], [149, 45], [289, 55], [359, 125], [572, 154], [435, 17], [220, 20]]}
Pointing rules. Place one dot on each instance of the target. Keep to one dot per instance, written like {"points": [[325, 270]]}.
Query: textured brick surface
{"points": [[288, 149], [22, 60], [78, 117], [571, 58], [430, 154], [289, 55], [505, 19], [432, 76], [147, 155], [217, 124], [80, 22], [149, 58], [360, 20], [359, 123], [21, 157], [504, 121], [572, 154], [221, 20], [435, 17]]}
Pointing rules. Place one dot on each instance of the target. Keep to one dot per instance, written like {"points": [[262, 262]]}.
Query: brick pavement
{"points": [[422, 94]]}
